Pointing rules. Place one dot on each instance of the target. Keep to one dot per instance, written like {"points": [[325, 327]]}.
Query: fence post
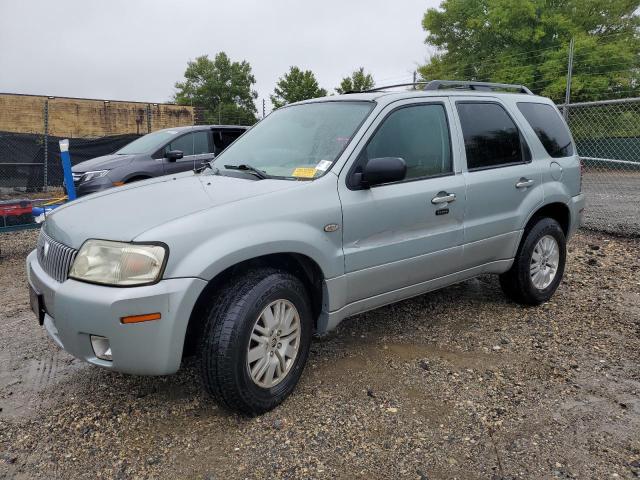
{"points": [[148, 118], [66, 169], [45, 165], [567, 93]]}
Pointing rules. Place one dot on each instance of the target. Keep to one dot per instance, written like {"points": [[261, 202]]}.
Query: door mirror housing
{"points": [[173, 155], [381, 170]]}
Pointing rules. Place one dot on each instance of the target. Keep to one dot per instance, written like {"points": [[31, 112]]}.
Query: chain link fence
{"points": [[607, 136], [31, 127]]}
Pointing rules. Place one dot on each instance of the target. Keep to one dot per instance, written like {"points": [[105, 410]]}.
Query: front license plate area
{"points": [[37, 304]]}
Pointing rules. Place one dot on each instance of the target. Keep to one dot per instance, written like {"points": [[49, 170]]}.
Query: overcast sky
{"points": [[138, 49]]}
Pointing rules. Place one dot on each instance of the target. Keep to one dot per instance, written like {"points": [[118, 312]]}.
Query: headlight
{"points": [[119, 264], [93, 175]]}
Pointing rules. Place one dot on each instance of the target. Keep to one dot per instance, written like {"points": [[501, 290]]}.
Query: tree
{"points": [[527, 41], [357, 82], [222, 89], [295, 86]]}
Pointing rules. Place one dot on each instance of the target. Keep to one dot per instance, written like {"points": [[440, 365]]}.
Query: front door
{"points": [[196, 147], [404, 233]]}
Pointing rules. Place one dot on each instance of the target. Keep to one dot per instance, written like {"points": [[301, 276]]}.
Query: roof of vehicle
{"points": [[437, 88]]}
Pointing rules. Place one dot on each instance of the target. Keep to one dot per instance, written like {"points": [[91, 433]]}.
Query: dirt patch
{"points": [[459, 383]]}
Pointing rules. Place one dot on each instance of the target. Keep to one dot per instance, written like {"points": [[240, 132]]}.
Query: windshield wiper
{"points": [[248, 168]]}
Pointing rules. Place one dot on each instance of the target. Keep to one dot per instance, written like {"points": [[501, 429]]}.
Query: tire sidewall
{"points": [[546, 226], [271, 288]]}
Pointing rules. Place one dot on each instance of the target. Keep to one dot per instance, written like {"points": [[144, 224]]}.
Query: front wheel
{"points": [[256, 341], [538, 266]]}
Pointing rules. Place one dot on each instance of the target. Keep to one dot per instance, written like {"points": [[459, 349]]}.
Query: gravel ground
{"points": [[454, 384], [612, 198]]}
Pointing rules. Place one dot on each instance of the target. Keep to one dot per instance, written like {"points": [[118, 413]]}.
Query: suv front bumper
{"points": [[76, 310]]}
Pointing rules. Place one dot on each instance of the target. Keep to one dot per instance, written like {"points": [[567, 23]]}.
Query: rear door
{"points": [[403, 233], [503, 184]]}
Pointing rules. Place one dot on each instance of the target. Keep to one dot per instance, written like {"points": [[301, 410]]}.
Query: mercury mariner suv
{"points": [[325, 209]]}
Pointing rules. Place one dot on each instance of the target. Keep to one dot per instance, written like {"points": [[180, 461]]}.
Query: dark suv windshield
{"points": [[299, 141], [149, 143]]}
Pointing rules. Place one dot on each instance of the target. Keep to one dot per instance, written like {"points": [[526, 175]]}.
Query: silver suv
{"points": [[325, 209]]}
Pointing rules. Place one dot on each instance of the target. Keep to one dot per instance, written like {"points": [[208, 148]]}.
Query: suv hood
{"points": [[123, 213], [106, 162]]}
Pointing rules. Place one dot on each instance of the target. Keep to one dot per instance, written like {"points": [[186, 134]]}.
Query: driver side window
{"points": [[419, 134], [184, 144]]}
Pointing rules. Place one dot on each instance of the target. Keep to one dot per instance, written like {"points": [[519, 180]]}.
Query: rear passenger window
{"points": [[418, 134], [491, 138], [223, 138], [549, 127]]}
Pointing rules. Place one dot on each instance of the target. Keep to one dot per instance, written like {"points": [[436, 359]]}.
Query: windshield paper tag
{"points": [[323, 165], [304, 172], [172, 132]]}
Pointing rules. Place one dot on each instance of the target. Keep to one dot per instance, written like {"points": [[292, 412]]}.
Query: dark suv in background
{"points": [[164, 152]]}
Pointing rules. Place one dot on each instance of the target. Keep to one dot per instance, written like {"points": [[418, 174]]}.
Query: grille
{"points": [[54, 257]]}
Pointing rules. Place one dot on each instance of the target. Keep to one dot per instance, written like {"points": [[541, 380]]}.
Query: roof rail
{"points": [[442, 84], [377, 89], [460, 84]]}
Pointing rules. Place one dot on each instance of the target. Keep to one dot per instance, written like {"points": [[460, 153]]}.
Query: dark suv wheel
{"points": [[256, 341], [538, 265]]}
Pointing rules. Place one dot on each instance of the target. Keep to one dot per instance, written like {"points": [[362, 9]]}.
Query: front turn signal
{"points": [[148, 317]]}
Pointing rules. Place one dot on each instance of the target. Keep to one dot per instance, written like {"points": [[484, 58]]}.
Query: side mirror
{"points": [[382, 170], [173, 155]]}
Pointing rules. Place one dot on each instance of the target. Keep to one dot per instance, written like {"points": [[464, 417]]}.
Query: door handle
{"points": [[443, 197], [524, 183]]}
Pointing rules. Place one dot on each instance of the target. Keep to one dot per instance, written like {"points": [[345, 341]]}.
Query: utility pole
{"points": [[264, 107], [414, 79], [567, 93]]}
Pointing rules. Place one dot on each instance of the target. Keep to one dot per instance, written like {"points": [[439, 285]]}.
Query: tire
{"points": [[227, 337], [517, 283]]}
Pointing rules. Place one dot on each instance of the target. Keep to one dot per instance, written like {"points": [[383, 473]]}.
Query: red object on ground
{"points": [[16, 212]]}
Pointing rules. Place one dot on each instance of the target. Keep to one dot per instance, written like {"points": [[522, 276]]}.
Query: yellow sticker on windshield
{"points": [[304, 172]]}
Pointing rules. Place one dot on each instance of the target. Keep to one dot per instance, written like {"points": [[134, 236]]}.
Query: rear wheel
{"points": [[256, 341], [538, 265]]}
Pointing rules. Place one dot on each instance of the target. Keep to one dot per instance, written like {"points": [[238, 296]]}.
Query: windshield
{"points": [[149, 143], [300, 141]]}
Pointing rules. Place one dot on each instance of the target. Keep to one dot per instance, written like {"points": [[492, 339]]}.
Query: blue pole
{"points": [[66, 169]]}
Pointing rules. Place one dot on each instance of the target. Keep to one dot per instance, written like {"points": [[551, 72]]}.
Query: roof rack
{"points": [[453, 84], [487, 86], [377, 89]]}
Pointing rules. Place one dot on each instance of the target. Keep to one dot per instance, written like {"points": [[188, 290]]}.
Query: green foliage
{"points": [[357, 82], [527, 41], [220, 88], [295, 86]]}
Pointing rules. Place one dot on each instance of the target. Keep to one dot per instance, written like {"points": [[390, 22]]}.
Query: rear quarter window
{"points": [[549, 127]]}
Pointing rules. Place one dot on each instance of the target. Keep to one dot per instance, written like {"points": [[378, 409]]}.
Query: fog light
{"points": [[101, 347]]}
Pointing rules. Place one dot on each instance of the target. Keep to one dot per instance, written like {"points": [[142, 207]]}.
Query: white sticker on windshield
{"points": [[172, 132], [323, 165]]}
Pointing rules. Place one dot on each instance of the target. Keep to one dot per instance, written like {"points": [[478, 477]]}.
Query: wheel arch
{"points": [[558, 211], [136, 177], [297, 264]]}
